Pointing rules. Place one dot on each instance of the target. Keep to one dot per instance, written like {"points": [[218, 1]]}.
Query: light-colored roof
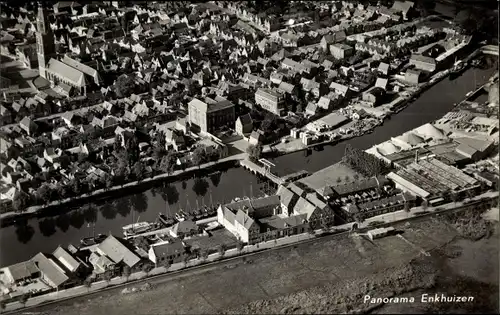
{"points": [[304, 207], [115, 250], [410, 186], [269, 94], [333, 119], [66, 259], [76, 77], [480, 145], [80, 66], [411, 138], [387, 148], [430, 131]]}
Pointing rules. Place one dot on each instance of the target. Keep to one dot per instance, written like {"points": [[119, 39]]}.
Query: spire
{"points": [[42, 19]]}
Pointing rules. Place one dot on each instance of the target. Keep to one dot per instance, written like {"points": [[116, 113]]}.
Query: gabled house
{"points": [[244, 124], [29, 126], [170, 252]]}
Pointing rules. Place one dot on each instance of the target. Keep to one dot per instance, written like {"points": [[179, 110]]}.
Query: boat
{"points": [[163, 219], [137, 228], [180, 216], [457, 69], [92, 240]]}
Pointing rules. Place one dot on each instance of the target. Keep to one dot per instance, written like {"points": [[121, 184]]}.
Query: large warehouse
{"points": [[431, 178]]}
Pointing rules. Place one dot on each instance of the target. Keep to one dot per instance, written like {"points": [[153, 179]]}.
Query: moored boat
{"points": [[137, 228], [165, 220], [92, 240]]}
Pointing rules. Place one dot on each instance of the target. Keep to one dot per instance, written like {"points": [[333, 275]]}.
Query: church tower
{"points": [[44, 41]]}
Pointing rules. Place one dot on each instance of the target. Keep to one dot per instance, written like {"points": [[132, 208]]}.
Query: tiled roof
{"points": [[50, 270], [115, 250], [22, 270], [76, 77]]}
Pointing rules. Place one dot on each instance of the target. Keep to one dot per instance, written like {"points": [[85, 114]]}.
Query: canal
{"points": [[24, 240]]}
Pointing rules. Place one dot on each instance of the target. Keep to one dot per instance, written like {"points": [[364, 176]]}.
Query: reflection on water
{"points": [[26, 238], [24, 231], [431, 105]]}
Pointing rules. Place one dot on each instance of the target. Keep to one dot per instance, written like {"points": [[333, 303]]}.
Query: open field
{"points": [[330, 175], [262, 282]]}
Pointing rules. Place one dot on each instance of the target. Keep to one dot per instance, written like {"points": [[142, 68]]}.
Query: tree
{"points": [[425, 205], [23, 298], [124, 85], [43, 193], [108, 275], [108, 181], [407, 207], [146, 268], [239, 246], [75, 187], [311, 229], [139, 170], [166, 264], [185, 259], [126, 272], [268, 122], [3, 304], [221, 249], [254, 152], [167, 163], [198, 156], [204, 254], [339, 180], [20, 201], [358, 217]]}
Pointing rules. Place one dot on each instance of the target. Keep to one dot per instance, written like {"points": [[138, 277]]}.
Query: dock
{"points": [[166, 230], [151, 233]]}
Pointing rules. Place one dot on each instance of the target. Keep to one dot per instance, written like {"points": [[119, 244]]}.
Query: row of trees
{"points": [[364, 163], [125, 167]]}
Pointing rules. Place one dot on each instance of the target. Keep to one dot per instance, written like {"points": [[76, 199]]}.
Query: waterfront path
{"points": [[35, 209], [198, 265]]}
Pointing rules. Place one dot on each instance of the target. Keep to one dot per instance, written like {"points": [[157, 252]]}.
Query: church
{"points": [[66, 73]]}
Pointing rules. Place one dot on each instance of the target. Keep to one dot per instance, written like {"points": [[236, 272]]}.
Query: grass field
{"points": [[291, 279], [330, 175]]}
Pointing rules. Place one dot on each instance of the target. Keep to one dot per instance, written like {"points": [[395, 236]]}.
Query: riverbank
{"points": [[401, 103], [131, 187], [254, 252]]}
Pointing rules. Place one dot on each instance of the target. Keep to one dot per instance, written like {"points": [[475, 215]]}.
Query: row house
{"points": [[389, 204], [387, 47], [372, 50]]}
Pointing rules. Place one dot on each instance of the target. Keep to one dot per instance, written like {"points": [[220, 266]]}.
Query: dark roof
{"points": [[246, 119], [168, 249], [360, 185], [22, 270], [185, 227]]}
